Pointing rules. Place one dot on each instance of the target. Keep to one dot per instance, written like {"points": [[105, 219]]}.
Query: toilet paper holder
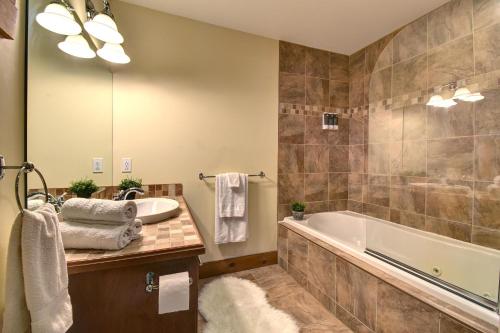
{"points": [[150, 282]]}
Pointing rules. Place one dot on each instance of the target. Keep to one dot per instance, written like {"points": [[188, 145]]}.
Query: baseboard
{"points": [[238, 264]]}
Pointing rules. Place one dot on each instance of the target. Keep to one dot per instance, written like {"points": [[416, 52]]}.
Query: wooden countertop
{"points": [[175, 238]]}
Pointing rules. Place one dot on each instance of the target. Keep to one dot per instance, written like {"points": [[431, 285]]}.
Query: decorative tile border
{"points": [[107, 192]]}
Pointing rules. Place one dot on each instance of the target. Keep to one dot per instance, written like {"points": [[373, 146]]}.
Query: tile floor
{"points": [[285, 294]]}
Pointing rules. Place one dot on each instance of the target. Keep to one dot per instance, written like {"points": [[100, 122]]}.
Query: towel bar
{"points": [[25, 168], [201, 176]]}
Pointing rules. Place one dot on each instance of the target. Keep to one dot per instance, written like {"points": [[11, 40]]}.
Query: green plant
{"points": [[127, 183], [83, 188], [298, 206]]}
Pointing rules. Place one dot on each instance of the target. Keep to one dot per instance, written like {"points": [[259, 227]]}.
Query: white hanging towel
{"points": [[44, 272], [231, 208]]}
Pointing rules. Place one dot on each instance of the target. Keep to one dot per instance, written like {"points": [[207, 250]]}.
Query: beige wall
{"points": [[11, 131], [199, 98], [69, 110]]}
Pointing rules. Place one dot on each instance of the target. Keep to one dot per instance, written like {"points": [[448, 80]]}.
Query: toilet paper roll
{"points": [[173, 294]]}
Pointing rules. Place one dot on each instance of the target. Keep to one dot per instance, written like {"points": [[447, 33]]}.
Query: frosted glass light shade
{"points": [[58, 19], [77, 46], [439, 102], [113, 53], [104, 28], [473, 97], [461, 94], [435, 100], [447, 103]]}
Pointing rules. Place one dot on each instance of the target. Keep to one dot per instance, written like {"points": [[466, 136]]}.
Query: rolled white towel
{"points": [[77, 235], [101, 211], [135, 229]]}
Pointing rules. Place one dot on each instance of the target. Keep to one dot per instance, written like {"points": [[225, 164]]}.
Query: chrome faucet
{"points": [[123, 194]]}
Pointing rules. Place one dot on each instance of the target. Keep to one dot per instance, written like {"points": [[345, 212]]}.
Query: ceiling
{"points": [[342, 26]]}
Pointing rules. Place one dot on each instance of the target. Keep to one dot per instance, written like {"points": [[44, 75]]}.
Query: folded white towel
{"points": [[229, 227], [44, 271], [122, 211], [233, 179], [76, 235], [231, 201], [33, 204]]}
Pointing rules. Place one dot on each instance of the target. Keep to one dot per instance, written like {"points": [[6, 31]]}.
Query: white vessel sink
{"points": [[152, 210]]}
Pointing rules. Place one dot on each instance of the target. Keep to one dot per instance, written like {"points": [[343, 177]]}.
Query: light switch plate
{"points": [[98, 165], [126, 165]]}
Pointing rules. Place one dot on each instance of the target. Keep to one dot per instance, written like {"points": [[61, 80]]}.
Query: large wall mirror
{"points": [[69, 108]]}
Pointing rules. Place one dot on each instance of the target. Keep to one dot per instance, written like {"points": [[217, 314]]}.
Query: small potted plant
{"points": [[298, 210], [128, 183], [83, 188]]}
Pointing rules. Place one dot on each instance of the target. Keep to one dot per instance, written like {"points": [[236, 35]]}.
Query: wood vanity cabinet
{"points": [[115, 299], [108, 288]]}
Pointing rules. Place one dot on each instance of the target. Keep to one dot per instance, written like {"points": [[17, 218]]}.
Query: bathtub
{"points": [[463, 275]]}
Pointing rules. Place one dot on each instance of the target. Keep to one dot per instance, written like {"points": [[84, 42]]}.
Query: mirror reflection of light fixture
{"points": [[102, 25], [113, 53], [473, 97], [77, 46], [58, 18]]}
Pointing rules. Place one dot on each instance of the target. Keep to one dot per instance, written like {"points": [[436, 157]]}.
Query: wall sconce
{"points": [[462, 94], [58, 18]]}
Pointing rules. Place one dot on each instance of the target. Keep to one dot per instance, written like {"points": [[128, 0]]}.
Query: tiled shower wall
{"points": [[313, 163], [393, 157], [432, 168]]}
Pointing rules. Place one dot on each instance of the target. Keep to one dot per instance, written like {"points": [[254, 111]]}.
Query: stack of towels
{"points": [[99, 224]]}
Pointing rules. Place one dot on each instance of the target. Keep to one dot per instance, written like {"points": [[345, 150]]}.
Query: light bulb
{"points": [[77, 46], [57, 18], [104, 28], [113, 53]]}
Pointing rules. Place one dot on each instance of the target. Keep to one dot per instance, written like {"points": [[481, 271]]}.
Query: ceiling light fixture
{"points": [[102, 25], [77, 46], [58, 18], [113, 53]]}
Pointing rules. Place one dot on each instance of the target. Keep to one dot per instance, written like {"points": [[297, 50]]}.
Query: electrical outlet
{"points": [[126, 165], [98, 165]]}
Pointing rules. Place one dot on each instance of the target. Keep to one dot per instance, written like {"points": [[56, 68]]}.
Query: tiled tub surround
{"points": [[364, 296], [312, 163], [431, 168], [393, 157]]}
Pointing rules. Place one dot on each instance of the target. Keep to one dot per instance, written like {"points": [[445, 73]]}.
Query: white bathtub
{"points": [[468, 266]]}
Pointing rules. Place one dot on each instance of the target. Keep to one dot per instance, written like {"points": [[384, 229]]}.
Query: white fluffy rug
{"points": [[233, 305]]}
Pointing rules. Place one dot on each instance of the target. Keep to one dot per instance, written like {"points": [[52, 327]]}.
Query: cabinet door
{"points": [[116, 300]]}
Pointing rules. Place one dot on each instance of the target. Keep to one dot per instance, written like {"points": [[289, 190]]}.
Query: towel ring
{"points": [[26, 168]]}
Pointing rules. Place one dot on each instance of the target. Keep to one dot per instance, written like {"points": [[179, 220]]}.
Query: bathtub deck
{"points": [[286, 294]]}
